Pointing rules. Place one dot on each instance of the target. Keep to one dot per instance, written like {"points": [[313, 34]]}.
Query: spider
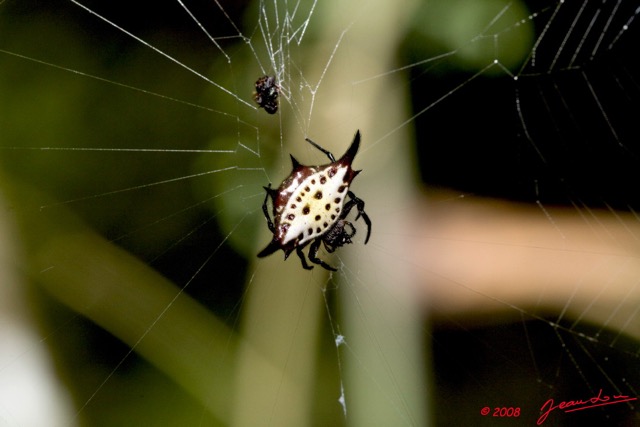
{"points": [[266, 94], [310, 207]]}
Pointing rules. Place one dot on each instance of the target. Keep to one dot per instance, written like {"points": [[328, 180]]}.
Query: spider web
{"points": [[499, 162]]}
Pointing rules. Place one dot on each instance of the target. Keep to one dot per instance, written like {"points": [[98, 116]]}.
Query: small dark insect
{"points": [[266, 94], [311, 205]]}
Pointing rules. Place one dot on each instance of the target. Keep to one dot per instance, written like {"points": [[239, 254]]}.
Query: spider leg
{"points": [[328, 247], [333, 159], [361, 213], [303, 259], [313, 252], [353, 229], [265, 209]]}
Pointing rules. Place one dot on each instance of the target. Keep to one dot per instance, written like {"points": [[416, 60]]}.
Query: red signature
{"points": [[578, 405]]}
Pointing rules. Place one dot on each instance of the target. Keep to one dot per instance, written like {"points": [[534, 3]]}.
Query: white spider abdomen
{"points": [[315, 205]]}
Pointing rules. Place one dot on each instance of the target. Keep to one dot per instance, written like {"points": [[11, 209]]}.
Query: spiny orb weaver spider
{"points": [[309, 207], [266, 94]]}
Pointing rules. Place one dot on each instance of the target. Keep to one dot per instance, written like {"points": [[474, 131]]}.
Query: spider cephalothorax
{"points": [[311, 205]]}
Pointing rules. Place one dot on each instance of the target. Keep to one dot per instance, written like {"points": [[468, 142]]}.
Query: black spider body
{"points": [[310, 207], [266, 94]]}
